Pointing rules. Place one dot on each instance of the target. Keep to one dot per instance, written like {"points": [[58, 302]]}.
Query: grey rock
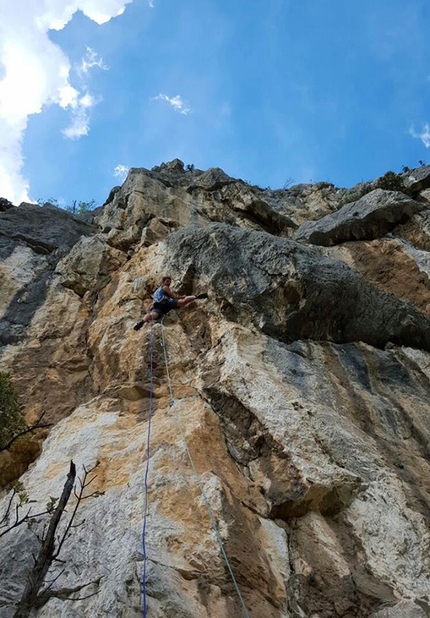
{"points": [[88, 265], [292, 292], [43, 228], [155, 230], [150, 200], [140, 287], [176, 165], [417, 179], [370, 217], [23, 306], [5, 204], [417, 231], [50, 233], [213, 179], [406, 609], [112, 194]]}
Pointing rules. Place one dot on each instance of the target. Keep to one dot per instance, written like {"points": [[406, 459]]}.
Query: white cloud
{"points": [[35, 72], [176, 102], [120, 171], [151, 3], [424, 135], [80, 124], [91, 60], [67, 96]]}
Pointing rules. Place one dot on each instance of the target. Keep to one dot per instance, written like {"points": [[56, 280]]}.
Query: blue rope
{"points": [[148, 453], [199, 482]]}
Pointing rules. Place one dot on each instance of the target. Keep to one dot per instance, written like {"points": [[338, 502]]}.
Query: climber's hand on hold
{"points": [[138, 326]]}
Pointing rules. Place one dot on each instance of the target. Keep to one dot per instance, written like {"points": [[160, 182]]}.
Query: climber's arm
{"points": [[171, 294]]}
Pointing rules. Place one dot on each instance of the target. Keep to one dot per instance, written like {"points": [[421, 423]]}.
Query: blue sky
{"points": [[269, 90]]}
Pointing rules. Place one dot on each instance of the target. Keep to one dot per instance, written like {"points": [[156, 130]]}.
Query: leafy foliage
{"points": [[49, 200], [76, 207], [11, 414], [355, 193], [391, 182]]}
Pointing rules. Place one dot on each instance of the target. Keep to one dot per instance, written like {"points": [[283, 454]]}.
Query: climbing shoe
{"points": [[202, 295], [139, 325]]}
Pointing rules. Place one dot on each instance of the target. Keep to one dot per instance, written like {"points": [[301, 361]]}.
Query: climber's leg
{"points": [[152, 316], [181, 302]]}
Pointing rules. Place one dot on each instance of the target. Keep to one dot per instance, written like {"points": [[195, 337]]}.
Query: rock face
{"points": [[370, 217], [300, 390], [417, 180]]}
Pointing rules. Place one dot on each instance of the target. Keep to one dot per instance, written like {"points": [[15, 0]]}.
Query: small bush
{"points": [[355, 193], [391, 182], [288, 183], [11, 414], [50, 200], [78, 208]]}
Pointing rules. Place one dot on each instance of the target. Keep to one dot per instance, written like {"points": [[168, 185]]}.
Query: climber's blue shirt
{"points": [[160, 296], [163, 303]]}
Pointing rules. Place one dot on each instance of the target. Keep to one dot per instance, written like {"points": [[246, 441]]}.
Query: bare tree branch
{"points": [[52, 582], [46, 554], [83, 486], [9, 506], [37, 425], [19, 520], [64, 594], [51, 546]]}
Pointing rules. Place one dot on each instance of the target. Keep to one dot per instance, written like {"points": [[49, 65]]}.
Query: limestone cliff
{"points": [[301, 386]]}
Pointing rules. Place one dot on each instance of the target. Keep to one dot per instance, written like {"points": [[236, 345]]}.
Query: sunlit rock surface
{"points": [[301, 387]]}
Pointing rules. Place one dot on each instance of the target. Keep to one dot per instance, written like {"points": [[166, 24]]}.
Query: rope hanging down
{"points": [[148, 453], [198, 480]]}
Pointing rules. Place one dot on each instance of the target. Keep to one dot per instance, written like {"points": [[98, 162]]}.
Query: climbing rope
{"points": [[198, 480], [148, 453]]}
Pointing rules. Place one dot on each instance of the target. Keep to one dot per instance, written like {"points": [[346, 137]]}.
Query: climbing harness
{"points": [[148, 453], [197, 478]]}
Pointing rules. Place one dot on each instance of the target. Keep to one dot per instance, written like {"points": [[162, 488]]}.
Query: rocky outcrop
{"points": [[370, 217], [417, 231], [176, 198], [32, 241], [292, 292], [88, 265], [5, 204], [417, 180], [42, 228], [300, 389]]}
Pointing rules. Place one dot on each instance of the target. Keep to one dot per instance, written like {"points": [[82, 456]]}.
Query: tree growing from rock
{"points": [[38, 590], [12, 419]]}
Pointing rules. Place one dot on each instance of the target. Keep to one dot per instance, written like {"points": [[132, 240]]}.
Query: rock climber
{"points": [[165, 300]]}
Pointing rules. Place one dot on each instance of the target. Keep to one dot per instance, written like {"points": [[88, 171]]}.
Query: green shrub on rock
{"points": [[391, 182], [11, 414], [355, 193]]}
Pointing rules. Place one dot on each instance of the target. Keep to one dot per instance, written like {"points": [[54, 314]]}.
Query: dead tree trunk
{"points": [[47, 552]]}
